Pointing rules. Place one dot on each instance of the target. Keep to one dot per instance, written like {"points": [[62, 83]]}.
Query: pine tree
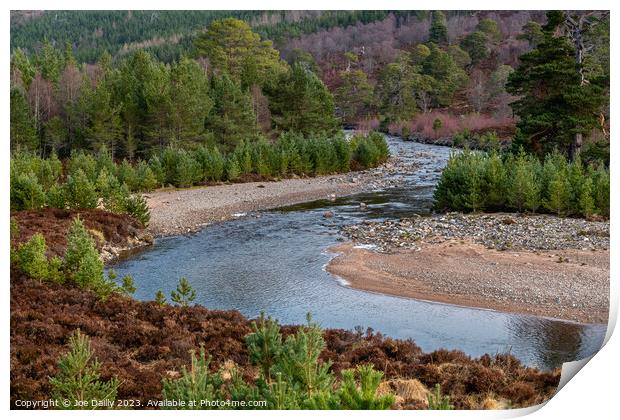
{"points": [[233, 48], [523, 191], [190, 102], [439, 31], [195, 385], [23, 133], [354, 95], [300, 102], [26, 192], [554, 106], [264, 344], [160, 298], [364, 396], [586, 201], [32, 259], [80, 193], [232, 117], [184, 294], [78, 383]]}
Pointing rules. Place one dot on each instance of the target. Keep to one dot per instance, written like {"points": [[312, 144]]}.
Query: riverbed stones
{"points": [[500, 231]]}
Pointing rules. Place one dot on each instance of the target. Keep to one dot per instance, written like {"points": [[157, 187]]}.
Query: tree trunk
{"points": [[575, 147]]}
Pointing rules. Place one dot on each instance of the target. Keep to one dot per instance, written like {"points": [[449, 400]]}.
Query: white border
{"points": [[592, 394]]}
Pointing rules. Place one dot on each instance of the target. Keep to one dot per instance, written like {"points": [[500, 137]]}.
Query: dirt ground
{"points": [[566, 284], [112, 232]]}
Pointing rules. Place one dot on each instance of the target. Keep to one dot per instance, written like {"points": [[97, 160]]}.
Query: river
{"points": [[274, 261]]}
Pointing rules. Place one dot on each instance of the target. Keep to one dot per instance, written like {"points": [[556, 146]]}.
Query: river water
{"points": [[274, 262]]}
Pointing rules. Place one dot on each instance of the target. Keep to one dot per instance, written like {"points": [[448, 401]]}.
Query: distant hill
{"points": [[166, 34]]}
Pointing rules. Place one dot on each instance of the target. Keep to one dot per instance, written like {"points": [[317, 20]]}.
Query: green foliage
{"points": [[195, 385], [438, 402], [300, 102], [369, 151], [293, 376], [523, 190], [554, 105], [232, 118], [26, 192], [78, 381], [23, 134], [438, 31], [55, 197], [80, 192], [474, 181], [446, 76], [476, 45], [32, 259], [83, 264], [364, 396], [136, 206], [128, 285], [354, 96], [55, 271], [184, 294], [264, 344], [160, 298], [233, 48]]}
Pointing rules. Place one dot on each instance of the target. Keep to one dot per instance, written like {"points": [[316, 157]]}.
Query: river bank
{"points": [[180, 211], [141, 342], [541, 265]]}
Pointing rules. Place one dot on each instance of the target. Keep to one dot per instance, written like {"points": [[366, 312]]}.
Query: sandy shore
{"points": [[178, 211], [565, 284]]}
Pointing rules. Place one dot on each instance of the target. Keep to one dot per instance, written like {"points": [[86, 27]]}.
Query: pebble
{"points": [[498, 231]]}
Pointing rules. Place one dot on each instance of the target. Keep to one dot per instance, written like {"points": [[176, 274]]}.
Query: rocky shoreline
{"points": [[182, 211], [542, 265], [501, 231]]}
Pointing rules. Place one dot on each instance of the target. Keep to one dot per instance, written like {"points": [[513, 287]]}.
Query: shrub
{"points": [[55, 197], [364, 396], [232, 169], [145, 177], [26, 192], [264, 344], [32, 259], [586, 201], [80, 192], [83, 263], [523, 189], [126, 174], [601, 186], [195, 385], [299, 362], [128, 285], [184, 294], [478, 180], [89, 274], [78, 384], [135, 205], [55, 270], [438, 402], [160, 298], [85, 163], [79, 244]]}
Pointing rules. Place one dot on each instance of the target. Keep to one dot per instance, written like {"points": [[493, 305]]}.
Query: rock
{"points": [[363, 205], [328, 214]]}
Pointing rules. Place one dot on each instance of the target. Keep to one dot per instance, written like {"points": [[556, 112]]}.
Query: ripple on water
{"points": [[275, 264]]}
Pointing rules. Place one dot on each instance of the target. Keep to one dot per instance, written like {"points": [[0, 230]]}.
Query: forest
{"points": [[116, 115], [438, 74]]}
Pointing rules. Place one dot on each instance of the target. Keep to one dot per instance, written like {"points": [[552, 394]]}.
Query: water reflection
{"points": [[274, 261]]}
